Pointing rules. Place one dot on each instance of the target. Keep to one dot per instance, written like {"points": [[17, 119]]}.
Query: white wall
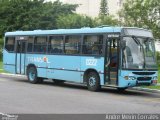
{"points": [[157, 45], [114, 7], [87, 7], [91, 7]]}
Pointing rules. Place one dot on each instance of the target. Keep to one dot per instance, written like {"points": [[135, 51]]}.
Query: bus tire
{"points": [[93, 81], [32, 75]]}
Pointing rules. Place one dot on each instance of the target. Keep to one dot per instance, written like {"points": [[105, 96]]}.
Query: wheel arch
{"points": [[87, 72]]}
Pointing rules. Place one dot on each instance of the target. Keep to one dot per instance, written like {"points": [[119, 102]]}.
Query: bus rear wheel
{"points": [[32, 75], [93, 81]]}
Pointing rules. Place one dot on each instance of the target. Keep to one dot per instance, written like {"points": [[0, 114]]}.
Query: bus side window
{"points": [[55, 45], [72, 44], [30, 44], [93, 44], [10, 44], [40, 44]]}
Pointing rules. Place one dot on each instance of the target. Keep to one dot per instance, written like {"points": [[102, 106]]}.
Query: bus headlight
{"points": [[130, 78]]}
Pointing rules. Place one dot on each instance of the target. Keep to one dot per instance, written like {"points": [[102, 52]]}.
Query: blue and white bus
{"points": [[120, 57]]}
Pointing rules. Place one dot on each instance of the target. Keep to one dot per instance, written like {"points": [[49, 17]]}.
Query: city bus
{"points": [[120, 57]]}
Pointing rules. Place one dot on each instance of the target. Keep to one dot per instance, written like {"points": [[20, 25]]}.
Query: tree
{"points": [[142, 13], [106, 20], [31, 14], [74, 21], [104, 8], [1, 48]]}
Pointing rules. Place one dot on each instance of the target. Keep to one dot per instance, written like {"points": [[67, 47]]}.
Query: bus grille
{"points": [[144, 78], [144, 73]]}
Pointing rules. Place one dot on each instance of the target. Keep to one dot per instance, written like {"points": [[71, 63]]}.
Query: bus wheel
{"points": [[93, 81], [32, 76], [58, 81]]}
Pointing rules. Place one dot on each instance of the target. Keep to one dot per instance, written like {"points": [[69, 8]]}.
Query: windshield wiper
{"points": [[137, 42]]}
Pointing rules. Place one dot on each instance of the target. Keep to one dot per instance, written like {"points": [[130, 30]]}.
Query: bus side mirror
{"points": [[123, 44]]}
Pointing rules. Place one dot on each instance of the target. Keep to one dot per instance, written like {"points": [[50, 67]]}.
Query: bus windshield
{"points": [[138, 53]]}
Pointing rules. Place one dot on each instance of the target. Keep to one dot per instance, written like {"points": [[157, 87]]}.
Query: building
{"points": [[92, 8], [157, 45]]}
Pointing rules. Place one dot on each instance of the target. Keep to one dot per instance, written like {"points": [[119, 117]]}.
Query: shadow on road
{"points": [[105, 90]]}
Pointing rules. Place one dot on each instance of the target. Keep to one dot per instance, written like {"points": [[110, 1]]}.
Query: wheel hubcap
{"points": [[92, 81], [32, 75]]}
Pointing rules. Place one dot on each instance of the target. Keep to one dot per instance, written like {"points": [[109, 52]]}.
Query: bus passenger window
{"points": [[30, 44], [55, 45], [9, 44], [40, 44], [72, 44], [93, 44]]}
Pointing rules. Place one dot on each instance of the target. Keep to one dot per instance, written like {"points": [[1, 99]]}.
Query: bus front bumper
{"points": [[128, 79]]}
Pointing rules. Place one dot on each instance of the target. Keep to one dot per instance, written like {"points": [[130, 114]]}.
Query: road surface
{"points": [[17, 95]]}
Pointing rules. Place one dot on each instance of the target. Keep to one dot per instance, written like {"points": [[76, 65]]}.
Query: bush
{"points": [[158, 57], [1, 48]]}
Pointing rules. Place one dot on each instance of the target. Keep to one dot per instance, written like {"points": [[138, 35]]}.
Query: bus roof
{"points": [[70, 31], [66, 31]]}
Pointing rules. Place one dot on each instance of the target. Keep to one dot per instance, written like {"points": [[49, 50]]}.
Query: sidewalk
{"points": [[12, 75]]}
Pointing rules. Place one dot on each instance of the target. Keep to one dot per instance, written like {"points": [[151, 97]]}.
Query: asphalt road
{"points": [[17, 95]]}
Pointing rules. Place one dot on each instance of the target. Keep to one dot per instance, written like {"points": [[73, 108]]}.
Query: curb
{"points": [[134, 88], [12, 75], [146, 89]]}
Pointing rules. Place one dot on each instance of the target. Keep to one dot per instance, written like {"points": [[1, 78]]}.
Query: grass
{"points": [[156, 87], [159, 74], [1, 67]]}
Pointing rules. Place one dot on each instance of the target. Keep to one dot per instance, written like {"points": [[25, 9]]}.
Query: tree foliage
{"points": [[104, 8], [31, 14], [106, 20], [74, 21], [158, 57], [142, 13]]}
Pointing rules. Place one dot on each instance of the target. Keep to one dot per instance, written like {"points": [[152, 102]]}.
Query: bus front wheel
{"points": [[93, 81], [32, 75]]}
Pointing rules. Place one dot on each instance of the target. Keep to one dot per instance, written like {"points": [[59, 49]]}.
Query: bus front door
{"points": [[111, 65], [20, 56]]}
